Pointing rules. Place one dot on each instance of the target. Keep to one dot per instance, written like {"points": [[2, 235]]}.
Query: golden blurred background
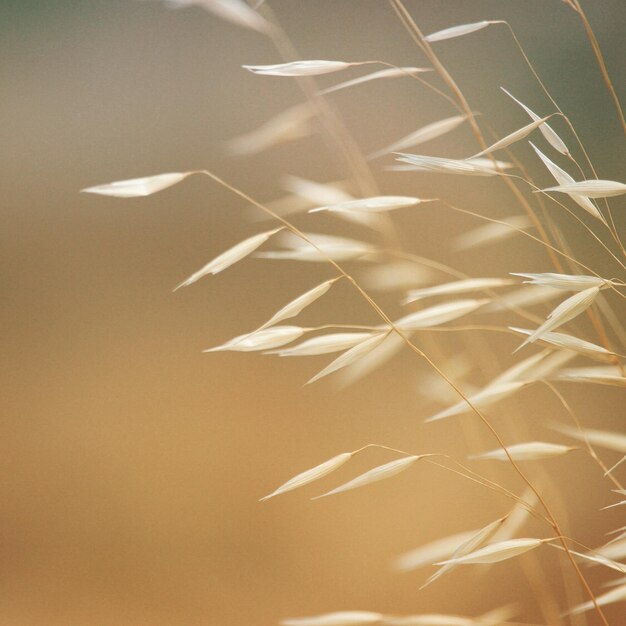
{"points": [[132, 461]]}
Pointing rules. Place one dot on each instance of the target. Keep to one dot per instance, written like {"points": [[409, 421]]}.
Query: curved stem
{"points": [[598, 53]]}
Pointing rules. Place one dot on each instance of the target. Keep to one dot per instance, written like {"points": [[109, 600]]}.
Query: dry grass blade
{"points": [[490, 233], [591, 188], [375, 204], [340, 618], [563, 178], [565, 281], [422, 135], [310, 475], [460, 286], [392, 72], [482, 399], [261, 340], [513, 137], [438, 314], [136, 187], [230, 257], [497, 552], [325, 344], [468, 547], [299, 68], [459, 31], [294, 307], [431, 552], [529, 451], [440, 165], [564, 312], [602, 438], [293, 123], [551, 137], [352, 355], [381, 472], [234, 11], [568, 342]]}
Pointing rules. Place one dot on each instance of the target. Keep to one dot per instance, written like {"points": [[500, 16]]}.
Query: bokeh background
{"points": [[132, 462]]}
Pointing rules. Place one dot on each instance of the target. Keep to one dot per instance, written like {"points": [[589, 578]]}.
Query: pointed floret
{"points": [[230, 257], [136, 187], [374, 475], [310, 475]]}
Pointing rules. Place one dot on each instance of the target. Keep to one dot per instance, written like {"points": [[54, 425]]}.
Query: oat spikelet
{"points": [[432, 551], [325, 344], [337, 248], [567, 310], [468, 547], [392, 72], [136, 187], [481, 399], [438, 314], [340, 618], [563, 178], [591, 188], [565, 281], [376, 204], [602, 438], [261, 339], [550, 136], [374, 475], [529, 451], [293, 123], [610, 597], [234, 11], [459, 31], [431, 619], [440, 165], [310, 475], [299, 68], [568, 342], [230, 257], [297, 305], [460, 286], [515, 136], [497, 552], [351, 356]]}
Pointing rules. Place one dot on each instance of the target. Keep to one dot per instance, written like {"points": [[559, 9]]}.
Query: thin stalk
{"points": [[598, 53]]}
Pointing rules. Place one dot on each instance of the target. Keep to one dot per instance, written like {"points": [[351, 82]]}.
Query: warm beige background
{"points": [[132, 462]]}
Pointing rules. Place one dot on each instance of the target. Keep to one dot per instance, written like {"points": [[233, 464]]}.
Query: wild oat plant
{"points": [[543, 310]]}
